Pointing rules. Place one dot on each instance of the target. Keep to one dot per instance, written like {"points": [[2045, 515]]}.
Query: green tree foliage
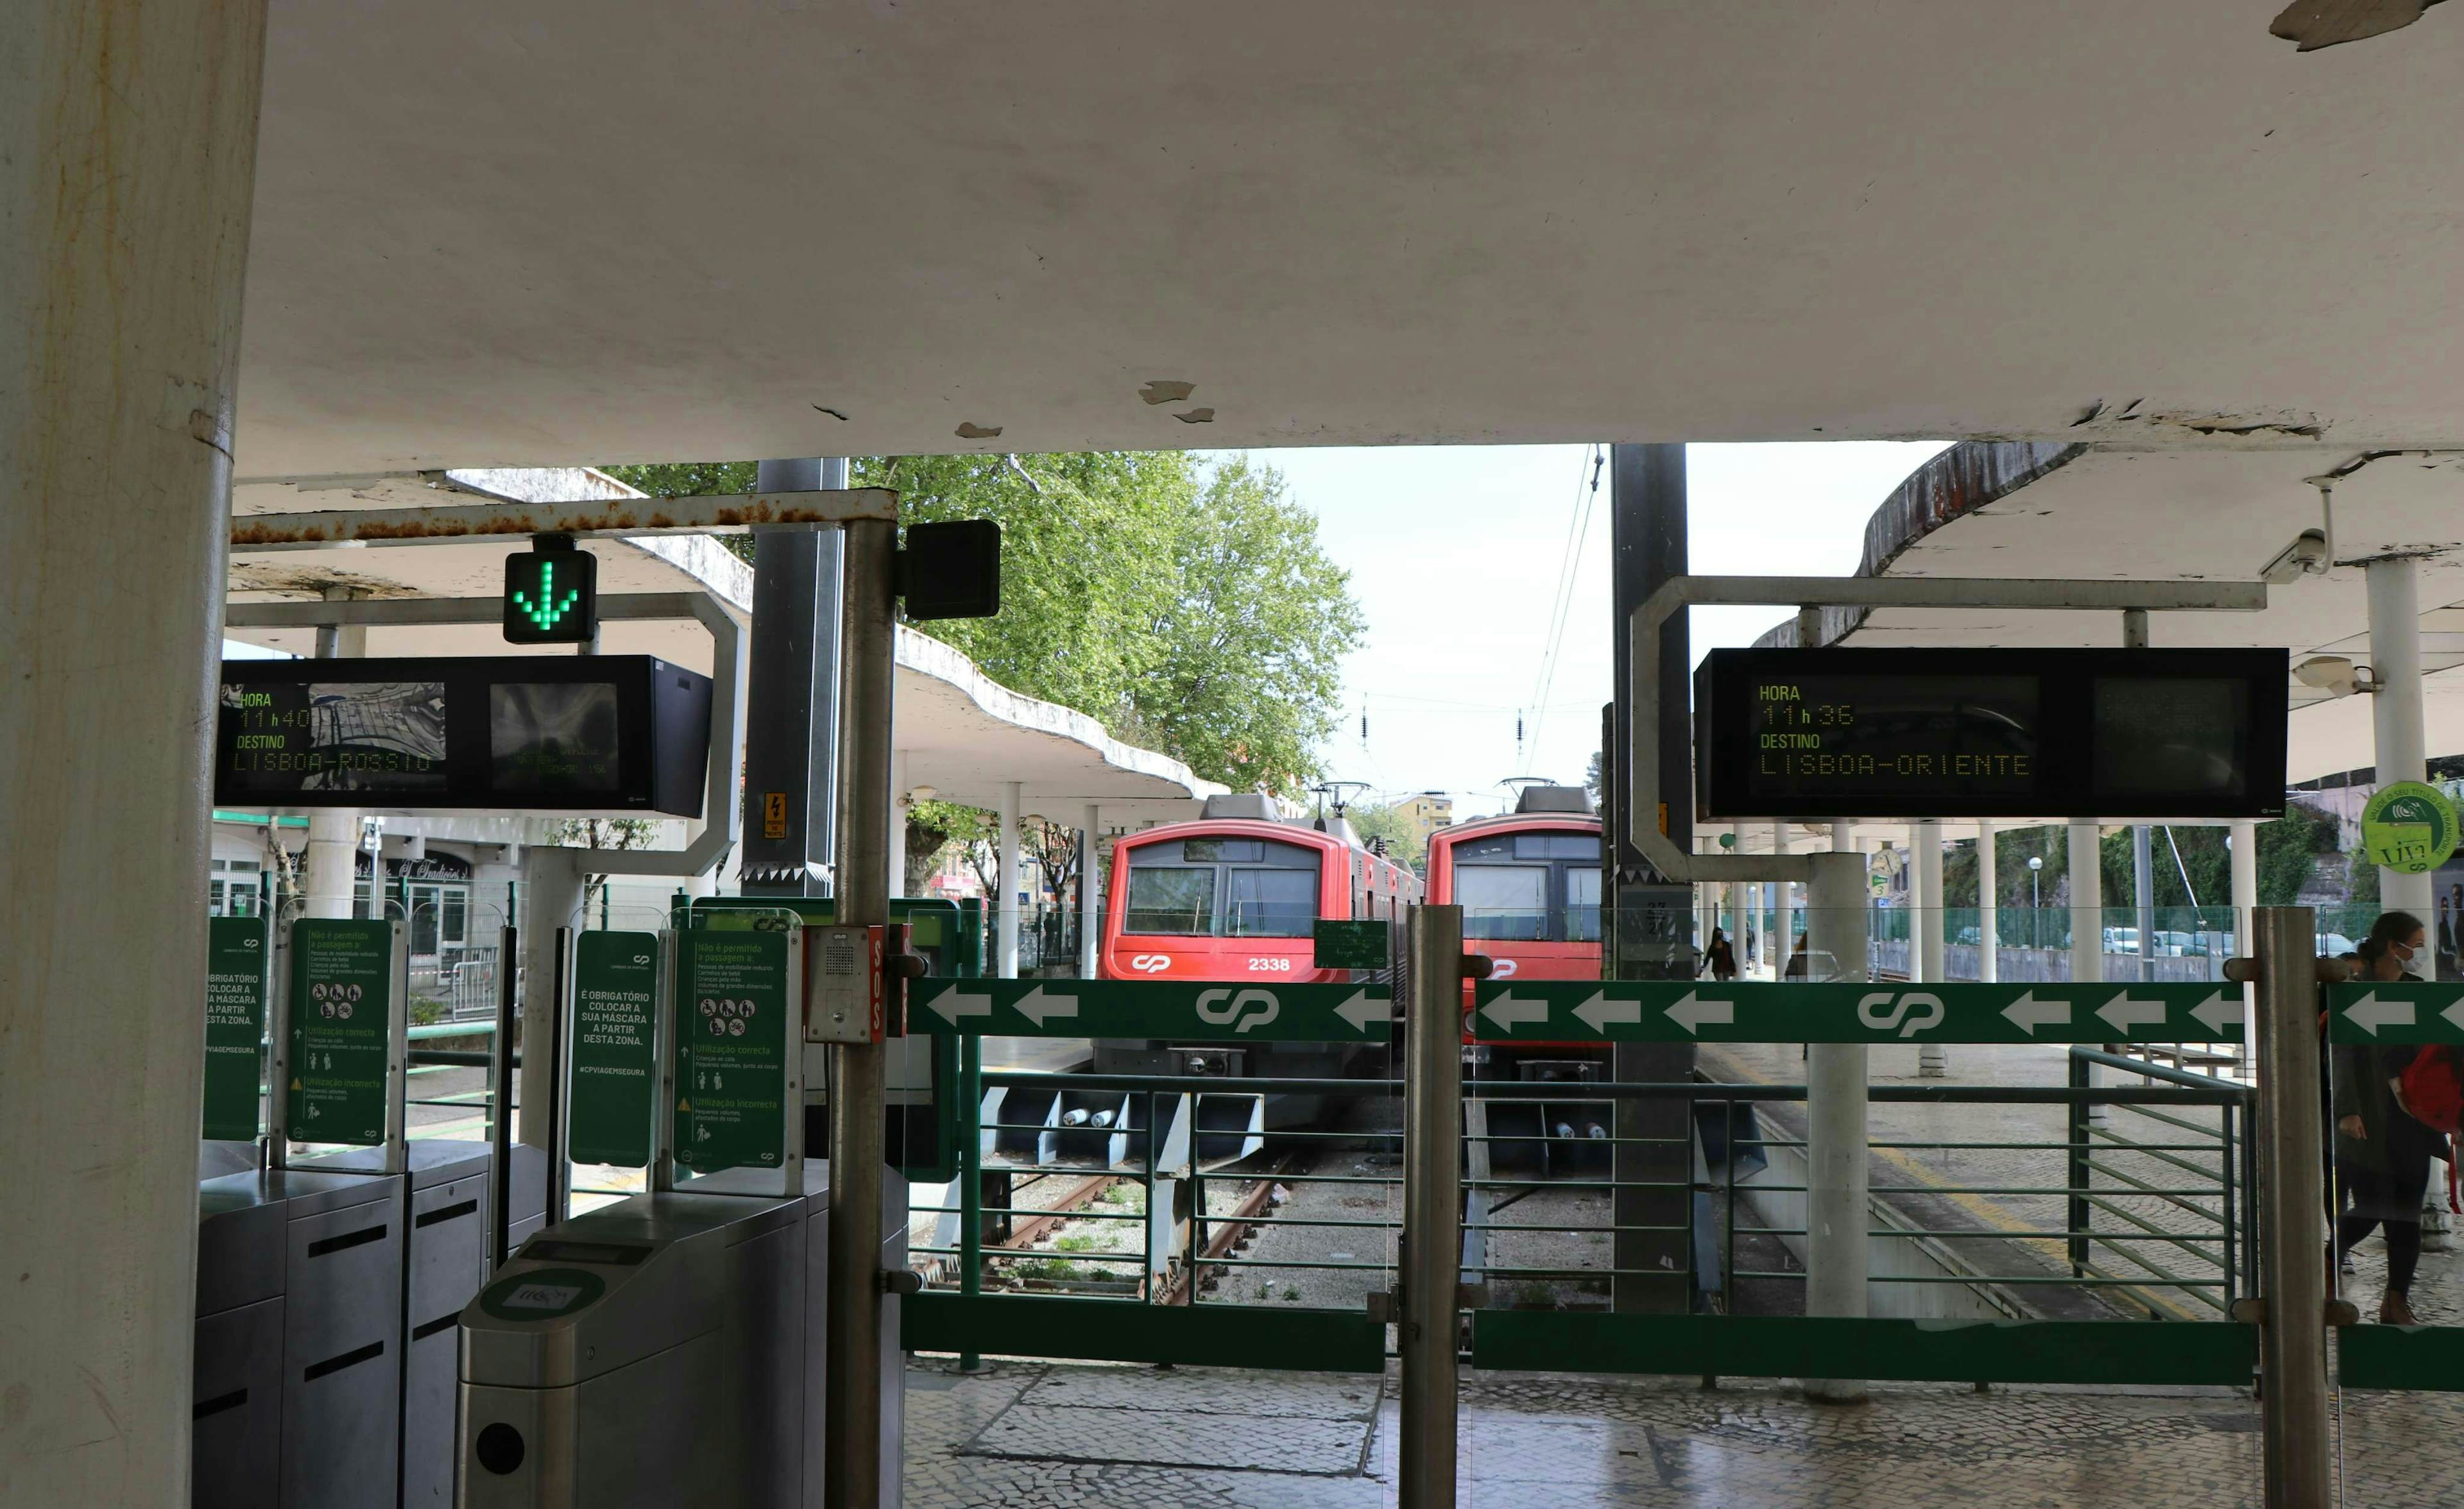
{"points": [[1187, 606], [1382, 820]]}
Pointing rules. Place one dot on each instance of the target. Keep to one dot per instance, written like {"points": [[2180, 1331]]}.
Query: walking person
{"points": [[1721, 956], [2382, 1154]]}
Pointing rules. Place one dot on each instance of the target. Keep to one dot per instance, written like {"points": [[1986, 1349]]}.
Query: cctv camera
{"points": [[2308, 553], [2334, 675]]}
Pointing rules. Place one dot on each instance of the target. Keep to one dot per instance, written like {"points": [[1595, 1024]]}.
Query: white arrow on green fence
{"points": [[2124, 1014], [954, 1003], [1598, 1012], [2455, 1012], [2219, 1016], [1041, 1009], [1691, 1013], [2370, 1014], [1364, 1013], [1511, 1011], [2028, 1014]]}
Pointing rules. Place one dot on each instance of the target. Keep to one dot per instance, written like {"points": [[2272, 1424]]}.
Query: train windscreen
{"points": [[1223, 889], [1531, 888]]}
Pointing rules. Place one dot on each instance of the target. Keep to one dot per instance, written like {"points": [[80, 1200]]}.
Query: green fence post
{"points": [[2074, 1119], [970, 1167]]}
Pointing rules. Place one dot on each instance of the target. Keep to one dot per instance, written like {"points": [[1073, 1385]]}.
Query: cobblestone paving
{"points": [[1539, 1443]]}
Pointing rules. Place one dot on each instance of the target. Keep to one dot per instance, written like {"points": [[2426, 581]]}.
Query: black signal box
{"points": [[951, 570], [552, 596]]}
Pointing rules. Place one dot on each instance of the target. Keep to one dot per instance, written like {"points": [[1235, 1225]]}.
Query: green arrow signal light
{"points": [[546, 611]]}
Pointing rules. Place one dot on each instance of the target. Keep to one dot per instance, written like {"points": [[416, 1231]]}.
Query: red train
{"points": [[1235, 896]]}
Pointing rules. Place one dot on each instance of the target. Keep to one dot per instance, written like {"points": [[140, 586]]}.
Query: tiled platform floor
{"points": [[1030, 1435]]}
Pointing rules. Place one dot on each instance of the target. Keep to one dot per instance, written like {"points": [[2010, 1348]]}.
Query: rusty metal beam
{"points": [[466, 522]]}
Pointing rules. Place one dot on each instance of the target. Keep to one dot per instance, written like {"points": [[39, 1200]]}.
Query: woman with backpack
{"points": [[2382, 1153], [1721, 958]]}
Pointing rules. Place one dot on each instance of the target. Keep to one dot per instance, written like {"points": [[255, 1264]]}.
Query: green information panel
{"points": [[342, 994], [1344, 944], [615, 1094], [2370, 1012], [1584, 1011], [1177, 1008], [732, 996], [236, 954]]}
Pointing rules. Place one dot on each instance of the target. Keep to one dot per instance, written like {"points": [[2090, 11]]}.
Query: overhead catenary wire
{"points": [[1587, 490]]}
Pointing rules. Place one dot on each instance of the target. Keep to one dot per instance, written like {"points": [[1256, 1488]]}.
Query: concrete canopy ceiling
{"points": [[2109, 513], [500, 233]]}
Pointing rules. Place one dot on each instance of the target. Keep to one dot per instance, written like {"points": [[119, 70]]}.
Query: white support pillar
{"points": [[1839, 1256], [1925, 952], [1989, 932], [1006, 904], [131, 135], [2396, 714], [898, 806], [1783, 911], [329, 870], [1090, 889]]}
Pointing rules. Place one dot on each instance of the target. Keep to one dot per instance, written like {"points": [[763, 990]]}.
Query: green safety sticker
{"points": [[1177, 1008], [2368, 1011], [238, 950], [2408, 826], [341, 998], [614, 1090], [1588, 1010], [1347, 944], [733, 995]]}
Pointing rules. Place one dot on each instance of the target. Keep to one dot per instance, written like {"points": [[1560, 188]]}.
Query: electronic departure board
{"points": [[618, 733], [1989, 733]]}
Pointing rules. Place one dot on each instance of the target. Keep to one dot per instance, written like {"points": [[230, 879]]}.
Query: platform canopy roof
{"points": [[956, 730], [536, 233], [2055, 511]]}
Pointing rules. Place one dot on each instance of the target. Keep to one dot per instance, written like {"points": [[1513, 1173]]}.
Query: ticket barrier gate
{"points": [[328, 1294], [328, 1288], [667, 1349]]}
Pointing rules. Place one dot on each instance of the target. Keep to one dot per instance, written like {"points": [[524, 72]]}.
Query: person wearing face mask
{"points": [[2383, 1154]]}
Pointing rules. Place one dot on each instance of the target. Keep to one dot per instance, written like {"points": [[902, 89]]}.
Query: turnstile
{"points": [[667, 1349], [327, 1296]]}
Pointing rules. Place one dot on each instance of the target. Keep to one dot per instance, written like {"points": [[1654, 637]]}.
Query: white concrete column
{"points": [[552, 893], [1989, 933], [329, 870], [2087, 904], [1924, 951], [131, 142], [1839, 1256], [1090, 889], [2395, 711], [898, 806], [1006, 904], [1783, 911]]}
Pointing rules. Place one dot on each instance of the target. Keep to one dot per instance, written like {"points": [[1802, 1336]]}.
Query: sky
{"points": [[1455, 556]]}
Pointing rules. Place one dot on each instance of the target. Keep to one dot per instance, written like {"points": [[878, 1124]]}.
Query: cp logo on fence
{"points": [[1869, 1011], [1151, 963], [1215, 1010]]}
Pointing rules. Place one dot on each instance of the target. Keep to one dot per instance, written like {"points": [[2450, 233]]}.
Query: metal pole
{"points": [[2085, 857], [1005, 871], [1431, 1256], [1837, 1257], [1989, 922], [852, 1479], [2291, 1259], [500, 1104], [2245, 897], [2396, 711], [2142, 888], [970, 1167], [1924, 947], [560, 1016]]}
